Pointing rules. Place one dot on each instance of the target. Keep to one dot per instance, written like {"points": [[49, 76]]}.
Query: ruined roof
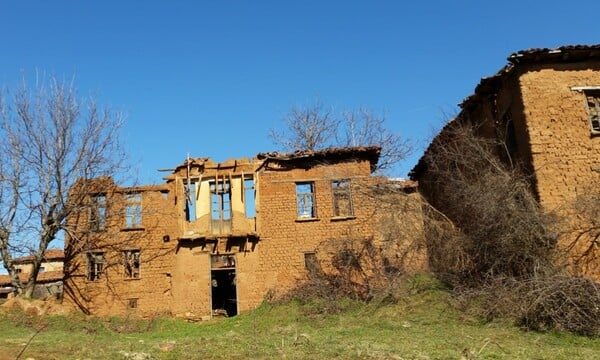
{"points": [[49, 255], [370, 153], [43, 277], [202, 164], [563, 54], [567, 53], [490, 85]]}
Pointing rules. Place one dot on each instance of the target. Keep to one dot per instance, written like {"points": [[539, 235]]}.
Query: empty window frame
{"points": [[98, 212], [592, 97], [95, 265], [305, 199], [133, 210], [220, 201], [249, 198], [190, 201], [131, 264], [342, 198], [132, 303], [311, 263]]}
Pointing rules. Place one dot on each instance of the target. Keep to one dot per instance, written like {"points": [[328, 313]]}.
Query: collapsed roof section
{"points": [[307, 158], [297, 159]]}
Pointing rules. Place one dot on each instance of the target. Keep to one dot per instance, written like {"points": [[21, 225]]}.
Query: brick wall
{"points": [[563, 150]]}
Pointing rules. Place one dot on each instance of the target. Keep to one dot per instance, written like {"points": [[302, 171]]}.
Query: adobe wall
{"points": [[566, 156], [285, 238], [110, 294], [564, 152]]}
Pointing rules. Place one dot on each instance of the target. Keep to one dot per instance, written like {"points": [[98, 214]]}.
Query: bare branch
{"points": [[307, 128], [315, 127], [50, 140]]}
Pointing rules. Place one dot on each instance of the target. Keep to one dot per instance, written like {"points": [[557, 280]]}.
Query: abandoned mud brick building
{"points": [[544, 106], [218, 237]]}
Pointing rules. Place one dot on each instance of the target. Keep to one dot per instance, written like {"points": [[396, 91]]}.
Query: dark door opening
{"points": [[224, 292]]}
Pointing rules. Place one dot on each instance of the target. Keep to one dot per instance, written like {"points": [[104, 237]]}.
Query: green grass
{"points": [[422, 326]]}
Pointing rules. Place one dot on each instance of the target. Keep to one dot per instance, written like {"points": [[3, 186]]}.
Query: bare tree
{"points": [[307, 128], [316, 127], [50, 139], [363, 127]]}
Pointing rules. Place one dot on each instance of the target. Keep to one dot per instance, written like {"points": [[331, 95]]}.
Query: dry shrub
{"points": [[357, 270], [557, 302], [498, 228], [564, 303], [583, 232], [369, 268], [489, 238]]}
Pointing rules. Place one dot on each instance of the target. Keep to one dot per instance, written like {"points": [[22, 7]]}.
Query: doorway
{"points": [[223, 285]]}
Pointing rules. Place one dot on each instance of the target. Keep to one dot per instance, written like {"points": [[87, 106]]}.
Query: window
{"points": [[131, 264], [592, 97], [98, 213], [132, 303], [310, 262], [220, 208], [342, 198], [133, 210], [95, 265], [190, 202], [221, 201], [305, 197], [249, 200], [42, 269]]}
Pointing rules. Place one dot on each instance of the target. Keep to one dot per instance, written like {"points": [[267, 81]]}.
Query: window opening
{"points": [[42, 269], [305, 196], [132, 303], [342, 198], [131, 264], [95, 262], [220, 207], [221, 201], [310, 262], [133, 210], [593, 108], [98, 213], [249, 198], [190, 202]]}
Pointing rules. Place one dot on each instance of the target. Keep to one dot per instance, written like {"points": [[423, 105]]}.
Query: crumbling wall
{"points": [[566, 155], [114, 292]]}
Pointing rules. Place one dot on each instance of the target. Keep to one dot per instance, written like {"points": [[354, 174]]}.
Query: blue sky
{"points": [[212, 77]]}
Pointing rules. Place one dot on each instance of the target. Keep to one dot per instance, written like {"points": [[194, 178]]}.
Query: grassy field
{"points": [[423, 326]]}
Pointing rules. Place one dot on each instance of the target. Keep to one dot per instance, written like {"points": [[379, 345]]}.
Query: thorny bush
{"points": [[568, 303], [491, 241]]}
